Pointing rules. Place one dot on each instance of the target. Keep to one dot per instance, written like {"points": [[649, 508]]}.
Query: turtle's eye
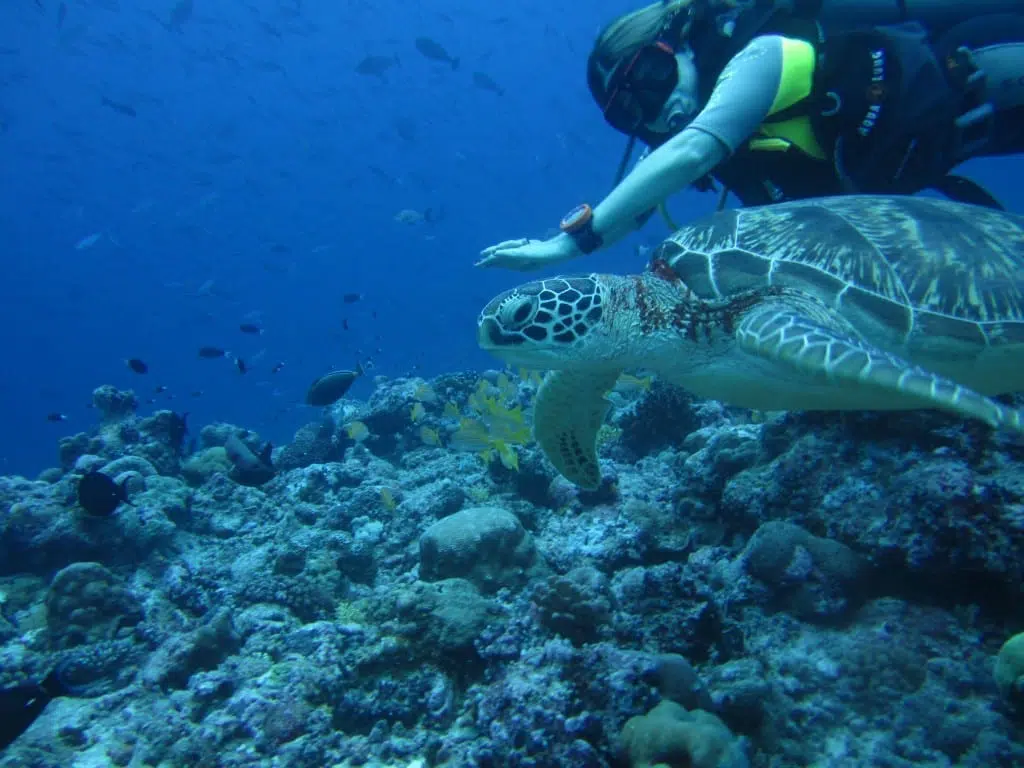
{"points": [[516, 312]]}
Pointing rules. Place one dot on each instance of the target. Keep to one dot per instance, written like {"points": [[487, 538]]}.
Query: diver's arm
{"points": [[670, 168], [745, 93]]}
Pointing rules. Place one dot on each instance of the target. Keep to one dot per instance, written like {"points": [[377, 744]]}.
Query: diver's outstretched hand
{"points": [[525, 254]]}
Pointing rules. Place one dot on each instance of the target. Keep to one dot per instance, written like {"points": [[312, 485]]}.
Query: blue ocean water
{"points": [[258, 179]]}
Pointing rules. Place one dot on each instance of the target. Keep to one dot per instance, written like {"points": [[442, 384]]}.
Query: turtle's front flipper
{"points": [[786, 337], [567, 415]]}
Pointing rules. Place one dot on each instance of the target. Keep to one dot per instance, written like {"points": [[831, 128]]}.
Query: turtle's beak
{"points": [[490, 336]]}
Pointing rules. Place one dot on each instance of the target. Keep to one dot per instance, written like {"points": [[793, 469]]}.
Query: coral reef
{"points": [[743, 590]]}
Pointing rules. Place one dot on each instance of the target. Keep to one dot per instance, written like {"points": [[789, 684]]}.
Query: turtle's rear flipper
{"points": [[569, 410], [788, 338]]}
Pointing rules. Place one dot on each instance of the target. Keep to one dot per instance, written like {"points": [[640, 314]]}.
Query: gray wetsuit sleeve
{"points": [[744, 93]]}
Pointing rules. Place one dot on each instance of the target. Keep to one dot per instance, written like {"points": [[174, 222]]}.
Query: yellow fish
{"points": [[451, 411], [425, 393], [387, 498], [417, 412], [629, 384], [507, 455], [357, 431], [471, 436], [430, 436], [534, 378]]}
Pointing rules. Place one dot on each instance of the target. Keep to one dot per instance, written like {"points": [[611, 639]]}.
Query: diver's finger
{"points": [[505, 245]]}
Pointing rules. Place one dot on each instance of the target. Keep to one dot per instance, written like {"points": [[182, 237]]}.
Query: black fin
{"points": [[53, 684], [266, 455], [964, 190]]}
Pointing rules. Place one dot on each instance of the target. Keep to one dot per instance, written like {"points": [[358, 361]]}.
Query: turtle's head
{"points": [[548, 324]]}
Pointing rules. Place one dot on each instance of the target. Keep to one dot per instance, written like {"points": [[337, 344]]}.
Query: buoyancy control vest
{"points": [[871, 110]]}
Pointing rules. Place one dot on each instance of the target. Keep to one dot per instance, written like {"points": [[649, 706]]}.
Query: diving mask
{"points": [[639, 89], [683, 103], [656, 90]]}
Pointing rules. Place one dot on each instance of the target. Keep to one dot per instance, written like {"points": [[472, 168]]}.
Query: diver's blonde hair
{"points": [[625, 36]]}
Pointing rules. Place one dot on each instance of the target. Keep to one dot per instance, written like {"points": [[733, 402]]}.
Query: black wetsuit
{"points": [[929, 115]]}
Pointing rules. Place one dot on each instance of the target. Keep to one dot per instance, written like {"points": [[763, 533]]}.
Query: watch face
{"points": [[575, 218]]}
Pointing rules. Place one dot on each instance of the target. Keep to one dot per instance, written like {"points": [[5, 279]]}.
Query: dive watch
{"points": [[579, 225]]}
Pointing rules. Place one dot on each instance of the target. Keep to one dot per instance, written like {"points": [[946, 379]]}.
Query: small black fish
{"points": [[99, 495], [20, 705], [376, 65], [381, 174], [125, 109], [250, 468], [485, 82], [56, 417], [211, 353], [160, 389], [344, 323], [197, 393], [275, 268], [138, 366], [240, 365], [178, 430], [434, 51], [405, 127], [277, 368], [250, 328], [351, 298], [331, 387], [180, 13]]}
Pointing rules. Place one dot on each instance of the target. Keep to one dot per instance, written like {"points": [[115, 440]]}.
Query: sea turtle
{"points": [[860, 302]]}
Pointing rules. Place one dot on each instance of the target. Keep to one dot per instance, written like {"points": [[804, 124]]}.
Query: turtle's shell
{"points": [[920, 272]]}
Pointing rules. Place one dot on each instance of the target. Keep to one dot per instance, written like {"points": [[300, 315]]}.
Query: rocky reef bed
{"points": [[744, 589]]}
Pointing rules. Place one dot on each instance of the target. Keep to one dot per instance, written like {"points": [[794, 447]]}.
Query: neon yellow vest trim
{"points": [[798, 62], [795, 85]]}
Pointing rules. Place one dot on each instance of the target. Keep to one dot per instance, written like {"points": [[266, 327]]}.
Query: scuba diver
{"points": [[793, 99]]}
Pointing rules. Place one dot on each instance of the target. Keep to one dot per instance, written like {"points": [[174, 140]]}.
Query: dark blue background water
{"points": [[253, 131]]}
